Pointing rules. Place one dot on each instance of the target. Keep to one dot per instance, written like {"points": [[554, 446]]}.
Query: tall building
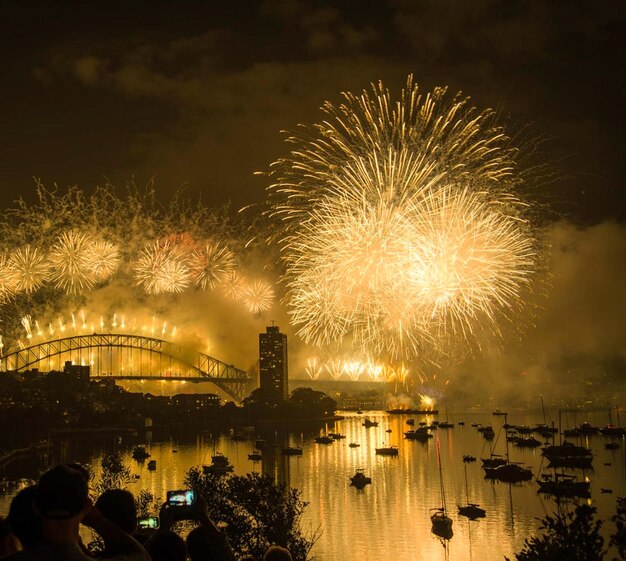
{"points": [[273, 368]]}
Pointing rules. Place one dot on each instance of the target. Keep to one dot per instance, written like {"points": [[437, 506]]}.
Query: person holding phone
{"points": [[62, 501]]}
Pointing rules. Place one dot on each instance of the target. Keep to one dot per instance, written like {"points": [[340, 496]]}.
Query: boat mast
{"points": [[466, 485], [441, 487], [506, 440], [543, 408]]}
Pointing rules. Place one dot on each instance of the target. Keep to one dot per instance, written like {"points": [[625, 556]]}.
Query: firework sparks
{"points": [[212, 265], [403, 231], [102, 259], [258, 296], [29, 268], [69, 259], [161, 267]]}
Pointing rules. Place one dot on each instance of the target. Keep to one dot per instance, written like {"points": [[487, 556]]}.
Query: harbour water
{"points": [[389, 519]]}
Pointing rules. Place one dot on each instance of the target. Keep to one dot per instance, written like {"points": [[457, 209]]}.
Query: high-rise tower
{"points": [[273, 368]]}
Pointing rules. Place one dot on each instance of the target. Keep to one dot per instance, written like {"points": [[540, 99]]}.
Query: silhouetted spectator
{"points": [[25, 523], [118, 505], [8, 542], [167, 546], [63, 503], [277, 553]]}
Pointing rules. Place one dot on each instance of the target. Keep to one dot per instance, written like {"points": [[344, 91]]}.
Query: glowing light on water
{"points": [[403, 230]]}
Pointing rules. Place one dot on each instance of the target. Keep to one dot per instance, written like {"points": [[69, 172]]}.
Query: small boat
{"points": [[292, 451], [324, 440], [336, 435], [470, 510], [446, 425], [605, 490], [527, 442], [387, 451], [410, 422], [441, 522], [468, 459], [367, 423], [354, 445], [359, 412], [612, 430], [475, 425], [568, 455], [140, 453], [259, 444], [152, 465], [422, 434], [498, 412], [359, 479], [255, 456], [509, 473], [461, 423], [611, 445], [238, 437], [488, 433], [563, 485], [494, 460], [219, 465], [388, 430]]}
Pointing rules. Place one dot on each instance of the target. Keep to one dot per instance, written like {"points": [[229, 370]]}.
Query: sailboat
{"points": [[441, 522], [471, 510], [508, 472]]}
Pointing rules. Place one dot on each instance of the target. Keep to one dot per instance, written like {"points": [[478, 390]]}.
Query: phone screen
{"points": [[148, 523], [181, 498]]}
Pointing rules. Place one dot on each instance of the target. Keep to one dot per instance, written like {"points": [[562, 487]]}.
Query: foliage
{"points": [[618, 539], [258, 512], [115, 475], [566, 536]]}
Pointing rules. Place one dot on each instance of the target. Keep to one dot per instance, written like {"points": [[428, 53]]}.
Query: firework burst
{"points": [[403, 231], [162, 267], [212, 265], [69, 260], [29, 269], [102, 259], [258, 296]]}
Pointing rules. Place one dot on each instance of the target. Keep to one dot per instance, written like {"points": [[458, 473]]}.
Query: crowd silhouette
{"points": [[44, 524]]}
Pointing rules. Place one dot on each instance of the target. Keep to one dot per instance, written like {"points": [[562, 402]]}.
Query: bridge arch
{"points": [[131, 357]]}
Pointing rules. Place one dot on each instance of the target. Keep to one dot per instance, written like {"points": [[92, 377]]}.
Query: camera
{"points": [[148, 523], [181, 498]]}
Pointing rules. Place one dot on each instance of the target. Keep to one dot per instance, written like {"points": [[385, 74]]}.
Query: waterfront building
{"points": [[273, 367]]}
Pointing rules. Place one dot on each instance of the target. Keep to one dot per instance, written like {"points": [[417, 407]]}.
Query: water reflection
{"points": [[389, 519]]}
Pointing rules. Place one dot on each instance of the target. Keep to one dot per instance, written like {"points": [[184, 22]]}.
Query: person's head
{"points": [[62, 496], [22, 518], [197, 545], [8, 542], [118, 505], [277, 553], [167, 546]]}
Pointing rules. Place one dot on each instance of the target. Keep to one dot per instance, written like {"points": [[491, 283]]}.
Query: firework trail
{"points": [[234, 286], [7, 279], [403, 230]]}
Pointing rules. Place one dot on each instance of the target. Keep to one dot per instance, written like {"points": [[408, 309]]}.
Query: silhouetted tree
{"points": [[566, 536], [618, 539]]}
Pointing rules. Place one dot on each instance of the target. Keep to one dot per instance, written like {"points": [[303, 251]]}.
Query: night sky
{"points": [[196, 94]]}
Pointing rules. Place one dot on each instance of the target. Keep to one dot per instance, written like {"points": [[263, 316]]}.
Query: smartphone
{"points": [[181, 498], [148, 523]]}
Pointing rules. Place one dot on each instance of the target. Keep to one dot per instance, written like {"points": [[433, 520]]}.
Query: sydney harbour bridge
{"points": [[130, 357]]}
